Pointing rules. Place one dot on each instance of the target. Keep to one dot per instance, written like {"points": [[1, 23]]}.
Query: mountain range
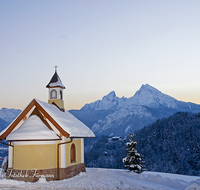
{"points": [[7, 116], [119, 116]]}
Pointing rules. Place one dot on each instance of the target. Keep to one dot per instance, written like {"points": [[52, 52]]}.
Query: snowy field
{"points": [[97, 178]]}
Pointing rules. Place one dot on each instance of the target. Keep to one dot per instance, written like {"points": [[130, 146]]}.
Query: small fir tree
{"points": [[133, 160]]}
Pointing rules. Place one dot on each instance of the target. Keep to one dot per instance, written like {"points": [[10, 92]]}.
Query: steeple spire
{"points": [[55, 80], [56, 87]]}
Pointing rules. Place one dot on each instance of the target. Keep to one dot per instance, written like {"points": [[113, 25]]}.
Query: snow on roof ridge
{"points": [[2, 132], [69, 123]]}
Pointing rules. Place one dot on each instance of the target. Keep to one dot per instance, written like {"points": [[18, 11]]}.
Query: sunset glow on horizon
{"points": [[99, 47]]}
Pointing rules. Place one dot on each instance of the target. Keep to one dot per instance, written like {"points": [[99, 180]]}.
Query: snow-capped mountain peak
{"points": [[109, 101], [147, 90], [151, 97], [120, 115], [147, 95], [110, 97], [148, 87]]}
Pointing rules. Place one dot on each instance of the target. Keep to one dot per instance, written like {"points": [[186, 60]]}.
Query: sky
{"points": [[99, 46]]}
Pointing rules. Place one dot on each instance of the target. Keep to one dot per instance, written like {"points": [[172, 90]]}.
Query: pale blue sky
{"points": [[99, 46]]}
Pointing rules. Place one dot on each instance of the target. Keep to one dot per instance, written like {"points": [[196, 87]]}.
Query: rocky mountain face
{"points": [[119, 116]]}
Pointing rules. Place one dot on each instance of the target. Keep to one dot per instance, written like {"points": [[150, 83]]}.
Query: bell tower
{"points": [[56, 88]]}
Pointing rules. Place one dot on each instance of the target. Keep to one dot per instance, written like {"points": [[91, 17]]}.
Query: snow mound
{"points": [[193, 186], [42, 180]]}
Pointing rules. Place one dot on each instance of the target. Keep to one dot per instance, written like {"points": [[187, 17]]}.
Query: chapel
{"points": [[45, 140]]}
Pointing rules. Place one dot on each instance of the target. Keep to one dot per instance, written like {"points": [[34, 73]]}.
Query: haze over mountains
{"points": [[118, 116]]}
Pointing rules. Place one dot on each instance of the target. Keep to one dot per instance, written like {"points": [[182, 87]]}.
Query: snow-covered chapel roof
{"points": [[61, 123], [32, 129], [69, 123]]}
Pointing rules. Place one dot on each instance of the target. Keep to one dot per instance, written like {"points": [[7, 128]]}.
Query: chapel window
{"points": [[53, 94], [73, 153]]}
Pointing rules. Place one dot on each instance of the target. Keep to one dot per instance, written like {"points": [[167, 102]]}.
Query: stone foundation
{"points": [[49, 174], [71, 171]]}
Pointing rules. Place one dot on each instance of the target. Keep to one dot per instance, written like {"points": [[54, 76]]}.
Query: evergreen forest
{"points": [[170, 145]]}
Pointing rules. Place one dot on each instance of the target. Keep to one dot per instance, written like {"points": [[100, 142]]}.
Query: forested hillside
{"points": [[170, 145], [106, 153]]}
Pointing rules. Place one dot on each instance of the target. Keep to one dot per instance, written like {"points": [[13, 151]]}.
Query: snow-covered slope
{"points": [[110, 179], [122, 120], [9, 114], [151, 97], [146, 106], [3, 124]]}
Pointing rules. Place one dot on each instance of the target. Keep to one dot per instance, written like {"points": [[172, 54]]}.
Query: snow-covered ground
{"points": [[98, 178]]}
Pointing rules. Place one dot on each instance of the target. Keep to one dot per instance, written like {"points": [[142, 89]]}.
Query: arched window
{"points": [[53, 94], [73, 153], [61, 94]]}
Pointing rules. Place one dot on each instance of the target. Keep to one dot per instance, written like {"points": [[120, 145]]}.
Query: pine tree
{"points": [[133, 160]]}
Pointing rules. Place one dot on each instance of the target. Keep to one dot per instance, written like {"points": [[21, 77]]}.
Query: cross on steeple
{"points": [[56, 68]]}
